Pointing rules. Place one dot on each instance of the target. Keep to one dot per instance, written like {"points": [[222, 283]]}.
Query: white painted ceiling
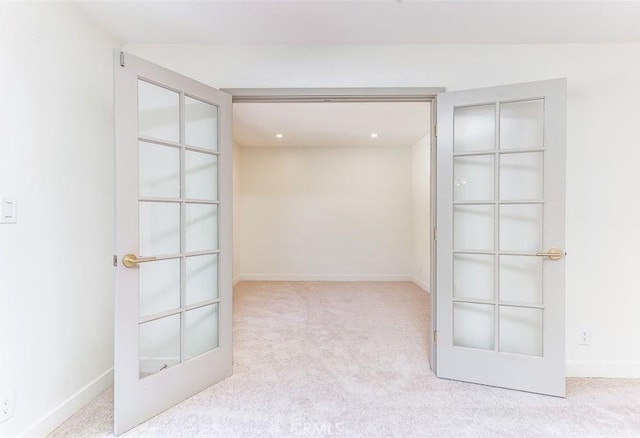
{"points": [[330, 124], [373, 21]]}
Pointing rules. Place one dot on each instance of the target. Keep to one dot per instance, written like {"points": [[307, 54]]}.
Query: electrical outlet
{"points": [[584, 336], [7, 405]]}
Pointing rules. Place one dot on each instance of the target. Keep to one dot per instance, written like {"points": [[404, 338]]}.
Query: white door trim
{"points": [[382, 94]]}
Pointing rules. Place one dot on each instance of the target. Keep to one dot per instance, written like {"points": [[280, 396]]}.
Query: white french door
{"points": [[173, 239], [501, 236]]}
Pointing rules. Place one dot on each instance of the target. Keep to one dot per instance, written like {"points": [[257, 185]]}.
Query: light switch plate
{"points": [[8, 211]]}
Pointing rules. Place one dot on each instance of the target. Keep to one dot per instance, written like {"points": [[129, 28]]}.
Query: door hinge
{"points": [[435, 130], [115, 261], [435, 337], [435, 233], [121, 59]]}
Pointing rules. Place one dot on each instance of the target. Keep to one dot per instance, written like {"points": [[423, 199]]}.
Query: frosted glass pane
{"points": [[159, 344], [521, 330], [202, 278], [521, 227], [473, 227], [473, 325], [522, 124], [159, 173], [521, 176], [521, 279], [473, 276], [159, 286], [159, 228], [201, 173], [473, 178], [201, 123], [474, 128], [158, 112], [202, 227], [202, 330]]}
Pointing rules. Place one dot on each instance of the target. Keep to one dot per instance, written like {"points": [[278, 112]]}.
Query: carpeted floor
{"points": [[350, 359]]}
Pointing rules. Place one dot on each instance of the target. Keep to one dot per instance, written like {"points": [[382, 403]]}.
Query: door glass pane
{"points": [[159, 344], [159, 228], [202, 227], [159, 286], [473, 276], [521, 227], [473, 227], [159, 173], [521, 279], [474, 128], [521, 176], [158, 112], [473, 178], [473, 325], [202, 278], [522, 124], [202, 330], [201, 174], [521, 330], [201, 123]]}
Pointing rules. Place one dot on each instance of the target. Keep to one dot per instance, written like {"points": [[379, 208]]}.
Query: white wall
{"points": [[603, 153], [326, 213], [421, 211], [56, 158]]}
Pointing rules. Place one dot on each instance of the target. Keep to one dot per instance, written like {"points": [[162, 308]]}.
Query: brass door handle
{"points": [[553, 254], [131, 260]]}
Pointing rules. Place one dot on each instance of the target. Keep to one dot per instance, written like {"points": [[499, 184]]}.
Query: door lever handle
{"points": [[131, 260], [553, 254]]}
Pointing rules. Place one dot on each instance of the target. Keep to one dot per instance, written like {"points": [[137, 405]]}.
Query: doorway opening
{"points": [[336, 187]]}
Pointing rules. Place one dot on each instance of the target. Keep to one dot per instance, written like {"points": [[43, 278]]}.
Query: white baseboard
{"points": [[237, 279], [421, 284], [70, 406], [630, 370], [341, 277]]}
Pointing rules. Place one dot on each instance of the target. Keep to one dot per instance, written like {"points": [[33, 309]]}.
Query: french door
{"points": [[173, 239], [501, 236]]}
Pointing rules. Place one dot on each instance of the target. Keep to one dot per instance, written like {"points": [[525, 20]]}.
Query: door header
{"points": [[398, 94]]}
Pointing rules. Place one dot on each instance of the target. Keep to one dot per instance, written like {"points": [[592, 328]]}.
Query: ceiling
{"points": [[330, 124], [377, 21]]}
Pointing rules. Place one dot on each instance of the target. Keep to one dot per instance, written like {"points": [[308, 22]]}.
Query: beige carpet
{"points": [[350, 359]]}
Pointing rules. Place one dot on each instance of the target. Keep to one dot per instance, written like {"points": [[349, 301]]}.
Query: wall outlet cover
{"points": [[584, 336], [7, 405]]}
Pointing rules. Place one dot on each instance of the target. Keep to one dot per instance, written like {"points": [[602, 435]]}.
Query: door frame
{"points": [[372, 95]]}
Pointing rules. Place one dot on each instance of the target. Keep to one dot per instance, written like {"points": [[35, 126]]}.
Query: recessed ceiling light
{"points": [[374, 135], [279, 135]]}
